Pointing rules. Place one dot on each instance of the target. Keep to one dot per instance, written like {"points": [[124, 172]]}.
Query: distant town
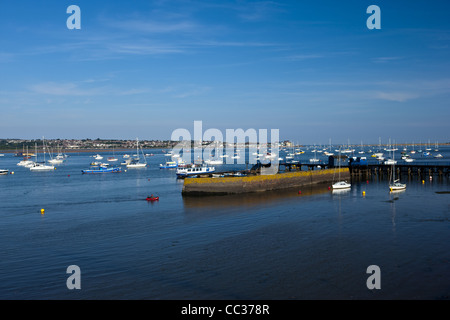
{"points": [[21, 145], [83, 144]]}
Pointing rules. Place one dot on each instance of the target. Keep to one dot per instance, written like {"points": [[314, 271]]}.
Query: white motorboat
{"points": [[25, 163], [133, 164], [341, 185], [4, 171], [192, 171]]}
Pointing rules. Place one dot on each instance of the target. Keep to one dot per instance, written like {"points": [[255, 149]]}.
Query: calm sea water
{"points": [[277, 245]]}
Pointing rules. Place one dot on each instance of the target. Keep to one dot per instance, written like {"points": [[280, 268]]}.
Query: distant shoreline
{"points": [[84, 150], [168, 148]]}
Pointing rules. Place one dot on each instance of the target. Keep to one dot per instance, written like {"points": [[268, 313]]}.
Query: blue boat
{"points": [[102, 170], [169, 165]]}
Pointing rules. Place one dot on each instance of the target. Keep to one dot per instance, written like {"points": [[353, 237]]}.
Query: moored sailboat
{"points": [[136, 162], [395, 185], [41, 166], [341, 184]]}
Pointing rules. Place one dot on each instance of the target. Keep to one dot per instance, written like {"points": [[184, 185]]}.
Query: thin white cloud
{"points": [[396, 96], [6, 57], [193, 91], [143, 49], [155, 26], [301, 57], [258, 10], [386, 59], [64, 89]]}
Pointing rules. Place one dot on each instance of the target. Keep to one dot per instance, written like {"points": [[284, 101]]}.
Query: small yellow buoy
{"points": [[12, 172], [42, 211], [423, 181], [364, 193]]}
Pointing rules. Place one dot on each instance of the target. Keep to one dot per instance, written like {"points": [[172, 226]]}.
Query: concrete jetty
{"points": [[260, 183]]}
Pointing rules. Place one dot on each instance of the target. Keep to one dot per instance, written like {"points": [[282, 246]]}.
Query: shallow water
{"points": [[277, 245]]}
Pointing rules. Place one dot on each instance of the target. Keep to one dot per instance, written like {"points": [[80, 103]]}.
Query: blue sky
{"points": [[311, 69]]}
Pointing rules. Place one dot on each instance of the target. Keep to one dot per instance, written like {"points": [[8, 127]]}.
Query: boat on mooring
{"points": [[168, 165], [152, 198], [136, 161], [40, 166], [395, 185], [193, 171], [102, 169], [341, 184]]}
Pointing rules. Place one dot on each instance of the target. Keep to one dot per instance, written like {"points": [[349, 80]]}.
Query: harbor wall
{"points": [[259, 183]]}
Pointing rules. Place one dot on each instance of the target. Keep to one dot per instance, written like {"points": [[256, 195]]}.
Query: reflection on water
{"points": [[340, 191], [393, 196], [253, 199]]}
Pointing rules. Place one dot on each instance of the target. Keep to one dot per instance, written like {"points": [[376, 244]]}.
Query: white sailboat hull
{"points": [[42, 168], [25, 163], [136, 165], [56, 161], [396, 187]]}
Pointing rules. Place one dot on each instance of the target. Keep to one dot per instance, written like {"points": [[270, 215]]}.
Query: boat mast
{"points": [[339, 163], [43, 147], [393, 166]]}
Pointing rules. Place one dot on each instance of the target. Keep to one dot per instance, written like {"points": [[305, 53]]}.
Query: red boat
{"points": [[152, 198]]}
